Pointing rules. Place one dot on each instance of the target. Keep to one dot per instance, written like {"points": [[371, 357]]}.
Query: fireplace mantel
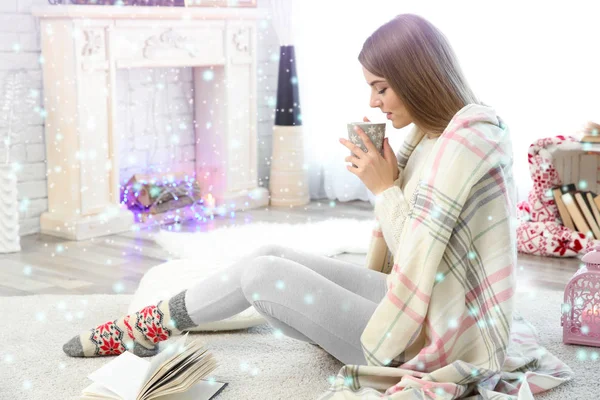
{"points": [[131, 13], [82, 48]]}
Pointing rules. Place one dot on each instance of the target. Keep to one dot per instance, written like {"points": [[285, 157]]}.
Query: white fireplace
{"points": [[83, 46]]}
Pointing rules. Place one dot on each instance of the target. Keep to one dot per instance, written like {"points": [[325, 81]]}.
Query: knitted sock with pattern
{"points": [[138, 333]]}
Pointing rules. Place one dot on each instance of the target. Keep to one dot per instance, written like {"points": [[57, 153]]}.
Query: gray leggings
{"points": [[316, 299]]}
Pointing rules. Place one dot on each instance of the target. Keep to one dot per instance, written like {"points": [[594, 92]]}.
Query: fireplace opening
{"points": [[156, 129]]}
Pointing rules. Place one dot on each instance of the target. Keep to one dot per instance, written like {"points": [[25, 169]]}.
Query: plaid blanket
{"points": [[446, 329]]}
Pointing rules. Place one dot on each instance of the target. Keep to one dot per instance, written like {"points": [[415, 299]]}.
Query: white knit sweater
{"points": [[407, 182], [415, 164]]}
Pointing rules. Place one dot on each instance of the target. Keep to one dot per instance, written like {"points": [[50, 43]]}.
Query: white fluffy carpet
{"points": [[225, 244], [256, 363]]}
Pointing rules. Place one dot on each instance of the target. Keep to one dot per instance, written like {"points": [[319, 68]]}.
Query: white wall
{"points": [[536, 62], [20, 48], [155, 120]]}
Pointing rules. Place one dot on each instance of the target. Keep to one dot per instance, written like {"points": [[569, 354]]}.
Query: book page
{"points": [[192, 379], [97, 391], [124, 375], [181, 373], [174, 355], [184, 382], [203, 390], [161, 358], [192, 355], [171, 368]]}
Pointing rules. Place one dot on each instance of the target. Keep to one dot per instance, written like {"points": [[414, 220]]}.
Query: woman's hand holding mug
{"points": [[377, 172]]}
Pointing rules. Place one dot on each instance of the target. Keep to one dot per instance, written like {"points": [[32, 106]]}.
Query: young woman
{"points": [[444, 212]]}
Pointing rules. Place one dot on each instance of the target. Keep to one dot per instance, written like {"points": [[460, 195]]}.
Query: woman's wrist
{"points": [[398, 180]]}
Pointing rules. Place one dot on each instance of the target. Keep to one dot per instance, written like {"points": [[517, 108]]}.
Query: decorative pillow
{"points": [[540, 231]]}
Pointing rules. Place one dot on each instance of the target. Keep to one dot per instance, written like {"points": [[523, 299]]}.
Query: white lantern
{"points": [[9, 211]]}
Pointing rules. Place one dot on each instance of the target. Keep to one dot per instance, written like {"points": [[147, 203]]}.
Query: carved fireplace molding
{"points": [[83, 46]]}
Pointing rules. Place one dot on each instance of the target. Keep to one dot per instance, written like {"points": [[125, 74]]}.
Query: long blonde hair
{"points": [[417, 61]]}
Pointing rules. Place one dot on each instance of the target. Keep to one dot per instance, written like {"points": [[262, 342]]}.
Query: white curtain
{"points": [[536, 62], [281, 12]]}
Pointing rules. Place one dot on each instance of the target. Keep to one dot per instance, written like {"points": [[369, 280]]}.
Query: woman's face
{"points": [[383, 97]]}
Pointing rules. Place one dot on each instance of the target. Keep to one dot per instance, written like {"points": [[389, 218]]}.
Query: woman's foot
{"points": [[138, 333]]}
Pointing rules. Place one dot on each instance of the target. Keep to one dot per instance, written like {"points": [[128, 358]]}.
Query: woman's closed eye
{"points": [[382, 91]]}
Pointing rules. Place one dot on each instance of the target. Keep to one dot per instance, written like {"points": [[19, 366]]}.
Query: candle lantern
{"points": [[581, 308]]}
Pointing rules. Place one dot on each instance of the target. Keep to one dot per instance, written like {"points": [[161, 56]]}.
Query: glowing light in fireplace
{"points": [[210, 200]]}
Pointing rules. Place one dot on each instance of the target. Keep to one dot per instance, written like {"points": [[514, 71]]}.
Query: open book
{"points": [[176, 373]]}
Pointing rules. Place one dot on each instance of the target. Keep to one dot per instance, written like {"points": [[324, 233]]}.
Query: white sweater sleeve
{"points": [[391, 210]]}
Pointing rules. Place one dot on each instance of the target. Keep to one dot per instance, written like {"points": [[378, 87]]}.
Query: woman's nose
{"points": [[374, 102]]}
